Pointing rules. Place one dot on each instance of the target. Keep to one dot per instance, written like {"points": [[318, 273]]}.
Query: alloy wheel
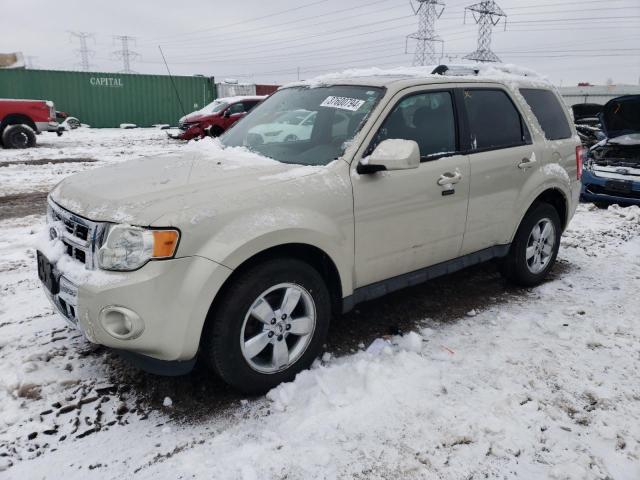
{"points": [[540, 246], [278, 328]]}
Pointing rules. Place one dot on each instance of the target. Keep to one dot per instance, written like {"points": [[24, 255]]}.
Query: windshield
{"points": [[214, 107], [314, 124]]}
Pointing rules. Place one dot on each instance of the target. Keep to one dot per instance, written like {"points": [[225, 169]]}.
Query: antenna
{"points": [[124, 53], [172, 82], [84, 51], [428, 11], [487, 14]]}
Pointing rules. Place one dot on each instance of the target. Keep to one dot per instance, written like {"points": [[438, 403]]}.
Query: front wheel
{"points": [[269, 325], [535, 247]]}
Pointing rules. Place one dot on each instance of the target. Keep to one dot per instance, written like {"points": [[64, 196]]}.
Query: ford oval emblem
{"points": [[53, 233]]}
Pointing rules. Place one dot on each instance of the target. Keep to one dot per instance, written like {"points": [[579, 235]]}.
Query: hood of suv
{"points": [[621, 116], [140, 191]]}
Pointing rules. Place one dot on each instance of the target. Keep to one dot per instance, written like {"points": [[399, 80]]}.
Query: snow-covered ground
{"points": [[533, 384]]}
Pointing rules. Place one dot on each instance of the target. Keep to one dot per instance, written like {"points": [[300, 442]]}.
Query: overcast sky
{"points": [[267, 42]]}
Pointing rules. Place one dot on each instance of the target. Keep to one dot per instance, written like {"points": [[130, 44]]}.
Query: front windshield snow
{"points": [[302, 125], [215, 107]]}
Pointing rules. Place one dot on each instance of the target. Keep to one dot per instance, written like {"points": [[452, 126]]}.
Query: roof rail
{"points": [[465, 70], [455, 70]]}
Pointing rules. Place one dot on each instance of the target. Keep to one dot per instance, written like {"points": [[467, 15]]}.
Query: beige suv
{"points": [[240, 250]]}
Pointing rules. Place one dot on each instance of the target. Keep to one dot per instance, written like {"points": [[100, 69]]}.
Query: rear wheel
{"points": [[535, 247], [18, 136], [268, 325]]}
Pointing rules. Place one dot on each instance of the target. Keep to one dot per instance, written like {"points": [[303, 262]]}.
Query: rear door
{"points": [[406, 220], [502, 158]]}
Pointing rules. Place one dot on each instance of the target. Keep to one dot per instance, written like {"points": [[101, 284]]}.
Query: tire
{"points": [[263, 288], [520, 267], [18, 136], [216, 131], [291, 138]]}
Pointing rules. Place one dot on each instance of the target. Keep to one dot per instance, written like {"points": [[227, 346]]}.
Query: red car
{"points": [[216, 118], [21, 120]]}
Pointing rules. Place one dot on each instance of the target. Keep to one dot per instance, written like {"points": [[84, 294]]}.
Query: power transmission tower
{"points": [[428, 11], [124, 53], [83, 51], [487, 15]]}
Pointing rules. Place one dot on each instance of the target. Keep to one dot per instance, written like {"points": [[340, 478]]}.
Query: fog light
{"points": [[121, 323]]}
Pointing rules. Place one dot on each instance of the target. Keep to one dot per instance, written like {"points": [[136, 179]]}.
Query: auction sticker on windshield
{"points": [[343, 103]]}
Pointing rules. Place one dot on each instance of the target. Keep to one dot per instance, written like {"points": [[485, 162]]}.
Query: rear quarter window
{"points": [[549, 112]]}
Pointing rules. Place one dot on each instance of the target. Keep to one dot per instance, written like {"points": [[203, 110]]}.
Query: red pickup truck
{"points": [[21, 120]]}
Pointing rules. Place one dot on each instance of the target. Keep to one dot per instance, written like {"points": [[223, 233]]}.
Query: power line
{"points": [[257, 31], [242, 22]]}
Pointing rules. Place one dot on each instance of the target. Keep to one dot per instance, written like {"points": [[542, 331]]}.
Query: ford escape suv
{"points": [[239, 250]]}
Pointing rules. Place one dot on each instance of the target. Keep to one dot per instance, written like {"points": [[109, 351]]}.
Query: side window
{"points": [[494, 121], [548, 111], [249, 105], [236, 108], [427, 118]]}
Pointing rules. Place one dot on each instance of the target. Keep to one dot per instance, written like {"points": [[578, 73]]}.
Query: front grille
{"points": [[79, 235]]}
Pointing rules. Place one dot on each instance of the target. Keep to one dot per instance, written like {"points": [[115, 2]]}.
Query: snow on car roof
{"points": [[379, 77], [240, 98]]}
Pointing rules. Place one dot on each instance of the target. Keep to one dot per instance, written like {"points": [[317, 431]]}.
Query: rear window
{"points": [[549, 112]]}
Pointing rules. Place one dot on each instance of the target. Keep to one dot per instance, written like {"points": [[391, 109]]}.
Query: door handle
{"points": [[449, 178], [527, 163]]}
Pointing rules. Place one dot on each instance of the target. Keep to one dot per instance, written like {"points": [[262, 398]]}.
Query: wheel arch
{"points": [[554, 196], [310, 254], [17, 119]]}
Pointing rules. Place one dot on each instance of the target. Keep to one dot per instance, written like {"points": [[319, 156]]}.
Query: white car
{"points": [[289, 126]]}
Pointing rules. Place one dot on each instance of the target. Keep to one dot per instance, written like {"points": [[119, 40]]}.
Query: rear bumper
{"points": [[594, 189]]}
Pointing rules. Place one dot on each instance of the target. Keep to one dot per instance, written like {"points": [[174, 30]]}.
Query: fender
{"points": [[309, 228], [548, 177]]}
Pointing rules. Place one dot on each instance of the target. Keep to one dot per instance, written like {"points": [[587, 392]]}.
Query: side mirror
{"points": [[391, 154], [226, 114]]}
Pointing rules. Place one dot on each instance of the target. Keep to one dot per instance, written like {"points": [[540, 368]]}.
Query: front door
{"points": [[409, 219]]}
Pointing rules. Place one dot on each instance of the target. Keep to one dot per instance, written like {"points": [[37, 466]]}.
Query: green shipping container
{"points": [[110, 99]]}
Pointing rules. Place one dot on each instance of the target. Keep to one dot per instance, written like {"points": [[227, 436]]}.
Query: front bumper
{"points": [[172, 297], [598, 189]]}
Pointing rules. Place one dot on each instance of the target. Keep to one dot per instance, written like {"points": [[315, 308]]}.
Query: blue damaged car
{"points": [[612, 166]]}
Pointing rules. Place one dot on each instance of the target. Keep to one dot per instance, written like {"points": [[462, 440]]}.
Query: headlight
{"points": [[129, 248]]}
